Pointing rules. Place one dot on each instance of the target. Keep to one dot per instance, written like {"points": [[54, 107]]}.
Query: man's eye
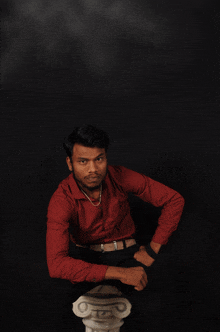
{"points": [[82, 161], [99, 159]]}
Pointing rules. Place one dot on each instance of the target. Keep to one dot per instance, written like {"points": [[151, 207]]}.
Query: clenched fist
{"points": [[135, 276]]}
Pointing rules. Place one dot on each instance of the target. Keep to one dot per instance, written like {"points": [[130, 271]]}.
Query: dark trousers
{"points": [[145, 303]]}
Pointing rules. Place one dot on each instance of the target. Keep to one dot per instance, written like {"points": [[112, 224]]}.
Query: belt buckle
{"points": [[102, 248], [115, 245]]}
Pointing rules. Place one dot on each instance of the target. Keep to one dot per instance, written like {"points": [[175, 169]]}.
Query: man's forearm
{"points": [[134, 276], [114, 272]]}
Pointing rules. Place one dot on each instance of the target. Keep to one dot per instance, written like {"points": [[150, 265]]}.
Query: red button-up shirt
{"points": [[90, 224]]}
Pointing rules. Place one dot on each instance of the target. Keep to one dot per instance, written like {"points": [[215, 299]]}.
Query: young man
{"points": [[90, 232]]}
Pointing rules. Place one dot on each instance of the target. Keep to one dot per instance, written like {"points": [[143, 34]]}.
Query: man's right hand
{"points": [[134, 276]]}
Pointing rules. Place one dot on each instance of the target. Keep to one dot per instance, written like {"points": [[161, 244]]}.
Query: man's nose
{"points": [[92, 167]]}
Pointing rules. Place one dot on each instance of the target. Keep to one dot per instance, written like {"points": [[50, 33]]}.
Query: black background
{"points": [[147, 72]]}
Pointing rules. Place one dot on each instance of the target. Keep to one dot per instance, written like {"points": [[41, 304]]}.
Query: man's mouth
{"points": [[92, 178]]}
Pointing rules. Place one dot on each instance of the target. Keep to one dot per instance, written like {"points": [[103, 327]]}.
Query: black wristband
{"points": [[151, 252]]}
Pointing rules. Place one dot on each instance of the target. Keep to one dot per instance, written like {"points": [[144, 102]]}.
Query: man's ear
{"points": [[69, 164]]}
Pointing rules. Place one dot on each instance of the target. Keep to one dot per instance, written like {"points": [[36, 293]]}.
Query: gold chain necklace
{"points": [[100, 197]]}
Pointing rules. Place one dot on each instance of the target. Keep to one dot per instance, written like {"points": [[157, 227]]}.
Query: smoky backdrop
{"points": [[147, 72]]}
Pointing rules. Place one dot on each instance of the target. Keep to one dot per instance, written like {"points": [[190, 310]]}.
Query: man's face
{"points": [[89, 166]]}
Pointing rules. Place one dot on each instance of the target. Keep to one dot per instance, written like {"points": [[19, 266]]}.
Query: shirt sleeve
{"points": [[60, 264], [159, 195]]}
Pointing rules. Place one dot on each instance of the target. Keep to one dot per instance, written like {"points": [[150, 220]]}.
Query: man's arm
{"points": [[173, 204], [60, 264], [134, 276], [159, 195]]}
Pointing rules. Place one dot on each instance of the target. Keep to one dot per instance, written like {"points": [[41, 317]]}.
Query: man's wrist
{"points": [[155, 246], [152, 249], [151, 252], [114, 272]]}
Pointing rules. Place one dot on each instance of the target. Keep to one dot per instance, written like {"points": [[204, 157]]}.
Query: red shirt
{"points": [[90, 224]]}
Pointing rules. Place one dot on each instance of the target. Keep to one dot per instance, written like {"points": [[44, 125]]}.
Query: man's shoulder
{"points": [[120, 170], [116, 171], [67, 187], [65, 183], [116, 168], [120, 173], [126, 179], [62, 200], [123, 174]]}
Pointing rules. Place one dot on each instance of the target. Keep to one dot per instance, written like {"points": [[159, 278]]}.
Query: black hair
{"points": [[86, 135]]}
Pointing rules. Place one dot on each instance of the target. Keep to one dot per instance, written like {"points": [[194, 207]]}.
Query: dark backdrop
{"points": [[147, 72]]}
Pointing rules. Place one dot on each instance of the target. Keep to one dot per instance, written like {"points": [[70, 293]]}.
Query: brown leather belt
{"points": [[115, 245]]}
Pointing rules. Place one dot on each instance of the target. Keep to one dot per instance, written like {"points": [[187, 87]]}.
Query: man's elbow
{"points": [[181, 200], [53, 270], [53, 273]]}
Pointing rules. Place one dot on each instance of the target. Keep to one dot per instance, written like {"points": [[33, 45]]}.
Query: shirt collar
{"points": [[76, 192]]}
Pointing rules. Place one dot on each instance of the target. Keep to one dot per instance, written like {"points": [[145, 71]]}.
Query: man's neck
{"points": [[94, 193]]}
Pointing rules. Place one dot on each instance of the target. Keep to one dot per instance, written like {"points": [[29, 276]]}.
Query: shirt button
{"points": [[94, 280]]}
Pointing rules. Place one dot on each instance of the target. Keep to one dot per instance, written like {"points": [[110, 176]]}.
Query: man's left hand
{"points": [[142, 256]]}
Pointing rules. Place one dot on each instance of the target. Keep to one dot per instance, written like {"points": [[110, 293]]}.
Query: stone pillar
{"points": [[102, 309]]}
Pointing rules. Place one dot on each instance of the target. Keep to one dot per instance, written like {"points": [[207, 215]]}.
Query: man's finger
{"points": [[139, 287], [143, 283], [145, 278]]}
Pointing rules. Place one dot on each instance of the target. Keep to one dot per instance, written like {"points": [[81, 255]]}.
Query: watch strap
{"points": [[151, 252]]}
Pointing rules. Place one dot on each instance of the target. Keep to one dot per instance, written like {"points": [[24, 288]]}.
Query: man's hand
{"points": [[134, 276], [143, 257]]}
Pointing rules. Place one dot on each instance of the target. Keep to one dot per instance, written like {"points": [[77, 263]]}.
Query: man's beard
{"points": [[83, 185]]}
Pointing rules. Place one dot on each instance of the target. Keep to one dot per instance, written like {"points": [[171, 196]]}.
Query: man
{"points": [[90, 232]]}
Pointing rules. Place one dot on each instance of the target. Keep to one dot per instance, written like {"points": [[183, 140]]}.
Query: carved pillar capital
{"points": [[102, 309]]}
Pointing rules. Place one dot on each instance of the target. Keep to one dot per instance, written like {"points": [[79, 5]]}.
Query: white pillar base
{"points": [[102, 309]]}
